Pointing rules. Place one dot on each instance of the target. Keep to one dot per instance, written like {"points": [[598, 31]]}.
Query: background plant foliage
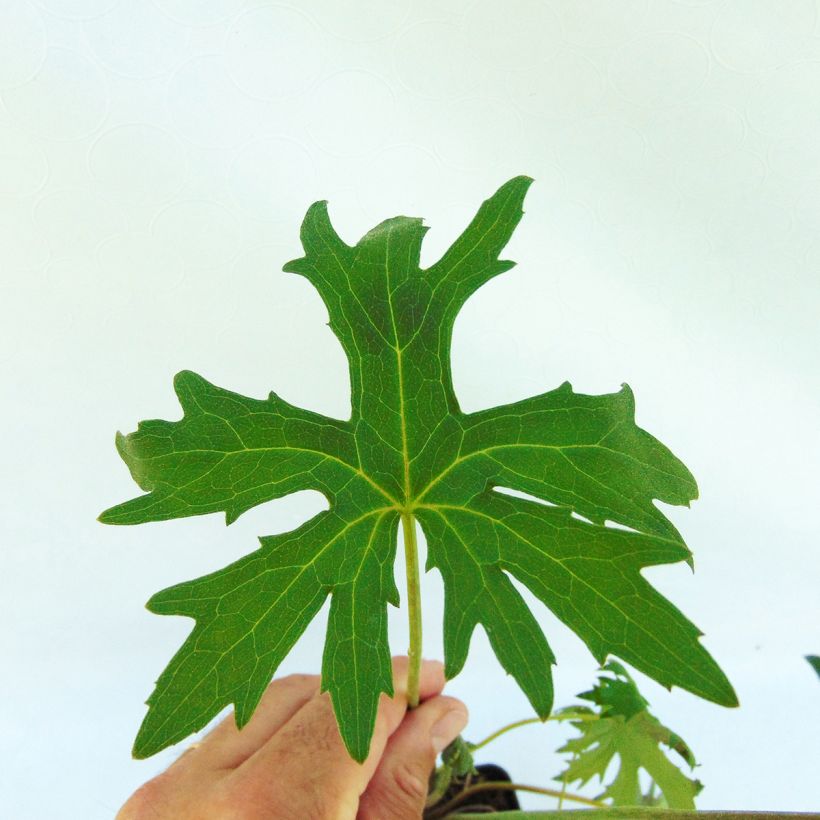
{"points": [[618, 740], [625, 730]]}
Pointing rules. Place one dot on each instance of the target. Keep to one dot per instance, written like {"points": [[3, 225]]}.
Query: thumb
{"points": [[398, 789]]}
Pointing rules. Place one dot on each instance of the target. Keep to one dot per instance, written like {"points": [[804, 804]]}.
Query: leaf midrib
{"points": [[400, 372], [529, 543], [353, 601], [227, 454], [558, 447], [380, 512]]}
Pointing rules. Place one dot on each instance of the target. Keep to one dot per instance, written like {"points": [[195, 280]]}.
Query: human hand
{"points": [[290, 762]]}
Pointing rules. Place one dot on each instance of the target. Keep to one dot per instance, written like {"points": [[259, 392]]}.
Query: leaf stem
{"points": [[526, 722], [491, 785], [411, 557]]}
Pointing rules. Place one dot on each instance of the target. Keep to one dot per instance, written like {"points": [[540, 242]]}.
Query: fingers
{"points": [[398, 789], [292, 747], [308, 754], [226, 747]]}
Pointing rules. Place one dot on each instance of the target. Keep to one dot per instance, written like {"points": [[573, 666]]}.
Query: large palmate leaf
{"points": [[626, 730], [408, 450]]}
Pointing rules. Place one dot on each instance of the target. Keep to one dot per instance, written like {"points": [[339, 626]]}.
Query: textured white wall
{"points": [[156, 159]]}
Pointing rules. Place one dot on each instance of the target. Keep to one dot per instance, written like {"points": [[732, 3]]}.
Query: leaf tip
{"points": [[113, 515], [522, 181], [628, 396], [814, 662], [357, 752], [295, 265], [317, 207], [317, 218], [516, 188], [183, 375], [732, 701], [186, 382], [142, 748], [138, 753], [120, 443], [452, 666]]}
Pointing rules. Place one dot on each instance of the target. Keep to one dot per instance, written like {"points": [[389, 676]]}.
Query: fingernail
{"points": [[448, 728]]}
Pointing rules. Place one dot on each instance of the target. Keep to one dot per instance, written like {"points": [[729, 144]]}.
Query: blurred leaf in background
{"points": [[625, 728]]}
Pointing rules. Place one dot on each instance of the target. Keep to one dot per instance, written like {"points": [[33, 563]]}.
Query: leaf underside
{"points": [[408, 449]]}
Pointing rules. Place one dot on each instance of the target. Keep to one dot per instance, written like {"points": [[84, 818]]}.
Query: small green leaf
{"points": [[814, 660], [618, 695], [635, 737], [408, 450], [458, 756]]}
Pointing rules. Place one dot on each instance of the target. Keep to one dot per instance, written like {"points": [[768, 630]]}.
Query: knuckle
{"points": [[239, 803], [411, 782], [312, 795], [328, 798], [148, 802], [400, 795], [344, 808]]}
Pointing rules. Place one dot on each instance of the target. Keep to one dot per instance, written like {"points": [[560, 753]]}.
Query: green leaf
{"points": [[814, 661], [458, 756], [625, 729], [407, 449], [617, 695], [456, 762]]}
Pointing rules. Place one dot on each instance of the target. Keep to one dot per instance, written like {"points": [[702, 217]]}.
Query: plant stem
{"points": [[411, 557], [504, 785], [526, 722]]}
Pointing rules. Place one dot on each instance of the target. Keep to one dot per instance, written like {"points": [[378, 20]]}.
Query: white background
{"points": [[156, 159]]}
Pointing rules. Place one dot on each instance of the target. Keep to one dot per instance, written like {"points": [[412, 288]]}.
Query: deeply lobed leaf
{"points": [[626, 730], [408, 450]]}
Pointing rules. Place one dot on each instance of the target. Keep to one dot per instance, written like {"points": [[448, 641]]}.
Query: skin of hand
{"points": [[289, 762]]}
